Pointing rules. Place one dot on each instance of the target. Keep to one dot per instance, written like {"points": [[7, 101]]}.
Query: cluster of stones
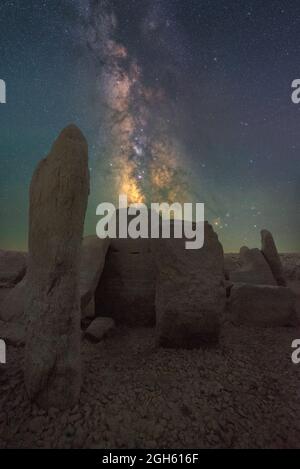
{"points": [[68, 283], [257, 290]]}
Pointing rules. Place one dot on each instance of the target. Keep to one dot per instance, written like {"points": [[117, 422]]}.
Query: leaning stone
{"points": [[263, 305], [269, 250], [58, 199], [254, 270], [190, 293], [99, 328]]}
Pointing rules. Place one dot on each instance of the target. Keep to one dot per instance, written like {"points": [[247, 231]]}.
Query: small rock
{"points": [[99, 328]]}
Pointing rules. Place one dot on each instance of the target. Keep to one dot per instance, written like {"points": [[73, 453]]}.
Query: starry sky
{"points": [[180, 100]]}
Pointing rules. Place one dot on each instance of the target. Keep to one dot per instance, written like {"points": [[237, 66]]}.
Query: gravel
{"points": [[243, 393]]}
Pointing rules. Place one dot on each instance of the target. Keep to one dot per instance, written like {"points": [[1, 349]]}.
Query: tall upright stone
{"points": [[269, 250], [58, 200], [190, 293]]}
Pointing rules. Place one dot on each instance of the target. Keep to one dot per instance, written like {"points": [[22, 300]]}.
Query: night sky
{"points": [[180, 100]]}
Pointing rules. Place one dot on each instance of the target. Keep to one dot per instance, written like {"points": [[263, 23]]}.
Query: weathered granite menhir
{"points": [[58, 200]]}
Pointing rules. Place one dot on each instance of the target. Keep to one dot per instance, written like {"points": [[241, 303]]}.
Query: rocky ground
{"points": [[245, 393]]}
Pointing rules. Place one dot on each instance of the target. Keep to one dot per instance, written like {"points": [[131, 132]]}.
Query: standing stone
{"points": [[269, 250], [254, 269], [58, 199], [190, 296]]}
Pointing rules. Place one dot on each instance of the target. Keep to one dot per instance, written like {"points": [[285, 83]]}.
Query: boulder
{"points": [[58, 200], [93, 252], [190, 293], [269, 250], [254, 269], [263, 305], [126, 290], [92, 259], [12, 268], [99, 329]]}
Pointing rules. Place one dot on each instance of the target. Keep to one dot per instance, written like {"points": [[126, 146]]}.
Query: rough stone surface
{"points": [[12, 267], [263, 305], [12, 307], [269, 250], [190, 293], [242, 394], [13, 333], [232, 262], [3, 294], [58, 199], [99, 328], [91, 265], [254, 269], [93, 252], [88, 311], [126, 290], [291, 266]]}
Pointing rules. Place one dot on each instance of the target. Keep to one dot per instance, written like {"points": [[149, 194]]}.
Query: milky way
{"points": [[145, 159], [180, 100]]}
